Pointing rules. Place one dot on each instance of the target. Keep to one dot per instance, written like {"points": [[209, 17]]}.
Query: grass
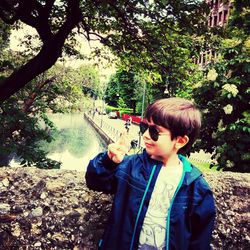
{"points": [[203, 166]]}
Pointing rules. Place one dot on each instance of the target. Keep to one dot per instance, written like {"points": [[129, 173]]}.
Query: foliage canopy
{"points": [[137, 31]]}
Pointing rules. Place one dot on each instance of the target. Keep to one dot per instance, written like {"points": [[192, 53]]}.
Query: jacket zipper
{"points": [[170, 208], [141, 205]]}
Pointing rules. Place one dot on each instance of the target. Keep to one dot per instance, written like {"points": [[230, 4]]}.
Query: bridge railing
{"points": [[112, 133]]}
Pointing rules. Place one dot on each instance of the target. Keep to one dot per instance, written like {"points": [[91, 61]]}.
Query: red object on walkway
{"points": [[135, 119]]}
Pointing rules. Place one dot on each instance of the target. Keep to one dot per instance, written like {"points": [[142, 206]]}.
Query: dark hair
{"points": [[180, 116]]}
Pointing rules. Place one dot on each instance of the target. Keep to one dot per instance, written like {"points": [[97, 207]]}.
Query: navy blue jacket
{"points": [[191, 214]]}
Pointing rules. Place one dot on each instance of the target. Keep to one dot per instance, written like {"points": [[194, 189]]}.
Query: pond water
{"points": [[76, 142]]}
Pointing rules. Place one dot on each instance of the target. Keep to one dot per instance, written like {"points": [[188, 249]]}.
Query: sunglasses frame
{"points": [[152, 129]]}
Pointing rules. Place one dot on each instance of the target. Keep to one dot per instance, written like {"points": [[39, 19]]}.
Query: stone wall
{"points": [[53, 209]]}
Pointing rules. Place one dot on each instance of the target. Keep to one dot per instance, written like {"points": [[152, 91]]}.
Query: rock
{"points": [[43, 195], [38, 244], [72, 218], [38, 188], [16, 210], [5, 182], [37, 212], [4, 208], [16, 230], [229, 213], [53, 209], [55, 186]]}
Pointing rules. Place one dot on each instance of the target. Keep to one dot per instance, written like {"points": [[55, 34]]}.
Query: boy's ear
{"points": [[181, 141]]}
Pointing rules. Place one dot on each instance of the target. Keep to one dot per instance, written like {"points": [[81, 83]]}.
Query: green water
{"points": [[76, 142]]}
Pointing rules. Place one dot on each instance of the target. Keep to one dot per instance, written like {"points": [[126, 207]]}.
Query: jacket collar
{"points": [[191, 172]]}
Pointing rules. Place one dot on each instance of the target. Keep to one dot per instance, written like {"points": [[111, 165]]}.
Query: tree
{"points": [[224, 96], [53, 23], [140, 33], [121, 89], [90, 77], [25, 125], [24, 116], [4, 35], [4, 43]]}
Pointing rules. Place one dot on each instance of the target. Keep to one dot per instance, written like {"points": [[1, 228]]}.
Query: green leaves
{"points": [[24, 119], [226, 123]]}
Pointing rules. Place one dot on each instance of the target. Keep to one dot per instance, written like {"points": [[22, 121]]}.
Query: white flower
{"points": [[229, 164], [214, 135], [228, 109], [231, 88], [220, 124], [212, 75]]}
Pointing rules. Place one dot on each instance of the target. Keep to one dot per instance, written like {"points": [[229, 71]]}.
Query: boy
{"points": [[160, 201]]}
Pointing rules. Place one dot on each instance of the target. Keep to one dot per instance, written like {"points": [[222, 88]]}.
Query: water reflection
{"points": [[76, 142]]}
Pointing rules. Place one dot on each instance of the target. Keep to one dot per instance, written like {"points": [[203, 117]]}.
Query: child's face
{"points": [[164, 147]]}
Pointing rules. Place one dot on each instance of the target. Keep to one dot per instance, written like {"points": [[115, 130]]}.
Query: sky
{"points": [[85, 48]]}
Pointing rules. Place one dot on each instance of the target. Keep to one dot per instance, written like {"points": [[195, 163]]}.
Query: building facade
{"points": [[219, 12], [218, 17]]}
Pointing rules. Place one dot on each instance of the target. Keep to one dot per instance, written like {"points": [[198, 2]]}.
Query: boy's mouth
{"points": [[148, 145]]}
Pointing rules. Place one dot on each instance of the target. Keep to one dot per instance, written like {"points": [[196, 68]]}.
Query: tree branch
{"points": [[48, 55], [30, 100]]}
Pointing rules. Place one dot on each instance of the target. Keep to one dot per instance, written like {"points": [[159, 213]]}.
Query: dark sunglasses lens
{"points": [[153, 133], [143, 127]]}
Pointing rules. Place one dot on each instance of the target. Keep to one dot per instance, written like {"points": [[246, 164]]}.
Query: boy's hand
{"points": [[117, 150]]}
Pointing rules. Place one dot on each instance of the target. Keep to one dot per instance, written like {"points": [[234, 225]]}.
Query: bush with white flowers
{"points": [[224, 97], [231, 88]]}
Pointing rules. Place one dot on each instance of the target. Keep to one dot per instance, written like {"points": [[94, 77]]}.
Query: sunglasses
{"points": [[152, 129]]}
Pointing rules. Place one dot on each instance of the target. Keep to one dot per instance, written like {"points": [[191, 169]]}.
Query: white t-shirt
{"points": [[153, 233]]}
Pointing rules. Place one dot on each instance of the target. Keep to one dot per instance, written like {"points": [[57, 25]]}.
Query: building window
{"points": [[216, 4], [215, 21], [225, 16], [210, 21], [203, 58], [220, 16]]}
